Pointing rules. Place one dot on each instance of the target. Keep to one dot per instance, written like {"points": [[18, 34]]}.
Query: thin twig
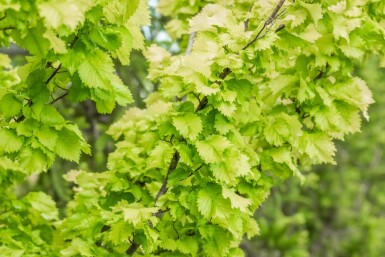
{"points": [[280, 27], [7, 28], [5, 16], [171, 168], [60, 97], [53, 74], [272, 17], [59, 67], [190, 43]]}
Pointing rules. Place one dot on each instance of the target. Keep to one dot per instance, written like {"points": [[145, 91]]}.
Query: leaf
{"points": [[283, 155], [218, 244], [319, 147], [282, 128], [44, 204], [96, 70], [130, 8], [57, 13], [189, 125], [107, 38], [33, 160], [161, 155], [9, 141], [77, 246], [119, 232], [10, 106], [315, 10], [122, 93], [211, 150], [138, 215], [68, 145], [57, 43], [50, 116], [187, 245], [236, 201], [47, 136], [210, 16], [205, 203], [34, 41]]}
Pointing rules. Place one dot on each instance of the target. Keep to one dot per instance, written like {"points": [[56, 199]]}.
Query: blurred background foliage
{"points": [[338, 212]]}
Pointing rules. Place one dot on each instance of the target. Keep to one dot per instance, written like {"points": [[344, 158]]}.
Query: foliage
{"points": [[339, 210], [262, 87]]}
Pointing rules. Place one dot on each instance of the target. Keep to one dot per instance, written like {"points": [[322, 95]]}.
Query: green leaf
{"points": [[319, 147], [33, 160], [68, 145], [119, 232], [47, 136], [10, 106], [67, 13], [161, 155], [283, 155], [189, 125], [187, 245], [34, 41], [138, 215], [315, 10], [58, 45], [130, 8], [236, 201], [206, 203], [9, 141], [122, 94], [212, 149], [50, 116], [44, 204], [96, 70], [218, 244], [282, 128], [78, 246]]}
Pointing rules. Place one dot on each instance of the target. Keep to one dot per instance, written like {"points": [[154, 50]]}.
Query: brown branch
{"points": [[202, 104], [53, 74], [59, 67], [60, 97], [272, 17], [171, 168], [274, 13], [163, 189], [132, 249]]}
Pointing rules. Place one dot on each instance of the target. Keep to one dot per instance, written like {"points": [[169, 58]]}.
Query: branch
{"points": [[58, 67], [60, 97], [171, 168], [53, 74], [7, 28], [132, 249], [163, 189], [190, 43], [272, 17], [5, 16]]}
